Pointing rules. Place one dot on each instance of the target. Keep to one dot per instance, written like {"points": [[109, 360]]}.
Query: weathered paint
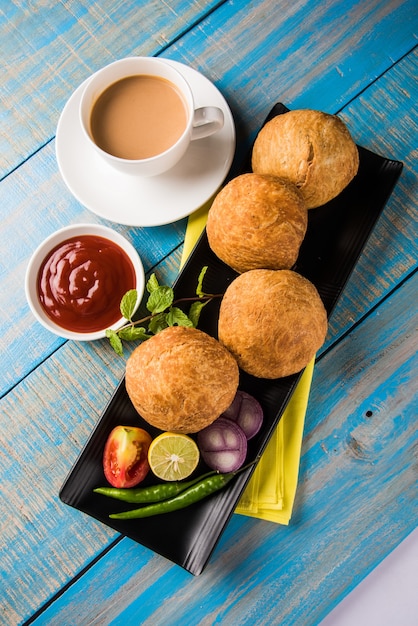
{"points": [[357, 493]]}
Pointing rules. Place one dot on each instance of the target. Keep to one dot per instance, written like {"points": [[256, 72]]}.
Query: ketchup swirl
{"points": [[81, 283]]}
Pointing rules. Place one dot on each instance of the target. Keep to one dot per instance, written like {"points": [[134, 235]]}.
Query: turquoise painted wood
{"points": [[311, 55], [352, 57], [390, 254]]}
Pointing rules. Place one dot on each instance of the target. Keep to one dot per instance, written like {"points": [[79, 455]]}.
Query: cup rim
{"points": [[55, 238], [187, 93]]}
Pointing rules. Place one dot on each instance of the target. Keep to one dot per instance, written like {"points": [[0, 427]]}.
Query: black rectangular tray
{"points": [[336, 235]]}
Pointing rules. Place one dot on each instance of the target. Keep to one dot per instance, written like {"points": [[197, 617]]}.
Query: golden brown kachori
{"points": [[257, 221], [311, 148], [272, 321], [181, 379]]}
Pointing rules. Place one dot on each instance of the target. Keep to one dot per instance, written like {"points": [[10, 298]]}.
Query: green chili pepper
{"points": [[195, 493], [153, 493]]}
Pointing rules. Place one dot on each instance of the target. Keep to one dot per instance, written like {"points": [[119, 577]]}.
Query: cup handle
{"points": [[206, 121]]}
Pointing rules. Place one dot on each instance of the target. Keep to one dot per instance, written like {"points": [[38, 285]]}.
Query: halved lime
{"points": [[173, 456]]}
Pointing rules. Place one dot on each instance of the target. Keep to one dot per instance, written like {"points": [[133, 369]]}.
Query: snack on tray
{"points": [[311, 148], [181, 379], [256, 222], [272, 321]]}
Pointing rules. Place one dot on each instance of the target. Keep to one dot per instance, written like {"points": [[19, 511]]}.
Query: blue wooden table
{"points": [[357, 493]]}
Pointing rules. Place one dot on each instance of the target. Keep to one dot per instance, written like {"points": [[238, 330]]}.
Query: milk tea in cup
{"points": [[139, 115]]}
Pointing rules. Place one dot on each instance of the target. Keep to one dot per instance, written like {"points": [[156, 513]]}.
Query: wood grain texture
{"points": [[390, 255], [49, 48], [261, 573], [318, 55], [54, 391]]}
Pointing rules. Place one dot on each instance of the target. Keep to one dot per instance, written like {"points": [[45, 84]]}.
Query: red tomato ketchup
{"points": [[81, 283]]}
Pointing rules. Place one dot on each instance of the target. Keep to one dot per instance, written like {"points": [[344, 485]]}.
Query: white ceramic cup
{"points": [[201, 122]]}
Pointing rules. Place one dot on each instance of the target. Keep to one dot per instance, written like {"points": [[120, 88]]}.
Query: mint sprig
{"points": [[163, 309]]}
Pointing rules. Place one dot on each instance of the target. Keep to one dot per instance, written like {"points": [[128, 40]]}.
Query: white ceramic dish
{"points": [[54, 240], [136, 201]]}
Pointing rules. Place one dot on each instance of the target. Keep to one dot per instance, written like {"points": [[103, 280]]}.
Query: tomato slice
{"points": [[125, 456]]}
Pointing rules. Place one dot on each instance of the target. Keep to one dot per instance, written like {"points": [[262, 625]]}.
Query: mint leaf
{"points": [[195, 310], [115, 342], [163, 309], [157, 322], [160, 299], [133, 333], [176, 317], [199, 288], [127, 304], [152, 283]]}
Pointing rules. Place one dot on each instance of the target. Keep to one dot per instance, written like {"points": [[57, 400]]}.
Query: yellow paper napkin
{"points": [[271, 491]]}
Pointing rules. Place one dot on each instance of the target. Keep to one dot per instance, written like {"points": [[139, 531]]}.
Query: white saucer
{"points": [[135, 201]]}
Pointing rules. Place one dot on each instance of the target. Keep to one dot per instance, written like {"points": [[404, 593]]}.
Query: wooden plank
{"points": [[307, 54], [48, 49], [387, 107], [264, 574]]}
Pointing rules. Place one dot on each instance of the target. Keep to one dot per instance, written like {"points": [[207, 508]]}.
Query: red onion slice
{"points": [[233, 410], [246, 411], [223, 445]]}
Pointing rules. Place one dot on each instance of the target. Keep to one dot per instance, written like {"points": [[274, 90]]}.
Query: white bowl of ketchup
{"points": [[77, 277]]}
